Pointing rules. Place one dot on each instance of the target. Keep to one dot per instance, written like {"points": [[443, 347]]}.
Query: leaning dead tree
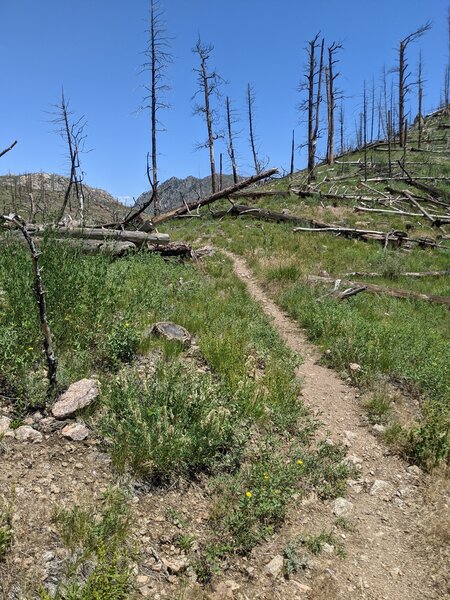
{"points": [[403, 76], [3, 152], [313, 86], [330, 77], [230, 144], [157, 59], [73, 133], [52, 363], [208, 87]]}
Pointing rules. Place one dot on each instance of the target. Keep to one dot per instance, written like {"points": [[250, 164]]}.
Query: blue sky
{"points": [[94, 49]]}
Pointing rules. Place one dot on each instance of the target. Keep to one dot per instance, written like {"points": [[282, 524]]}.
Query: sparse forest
{"points": [[234, 387]]}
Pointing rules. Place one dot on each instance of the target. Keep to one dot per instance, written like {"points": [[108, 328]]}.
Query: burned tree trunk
{"points": [[250, 107], [158, 59], [230, 143], [331, 76], [291, 172], [3, 152], [208, 82], [403, 76], [52, 362]]}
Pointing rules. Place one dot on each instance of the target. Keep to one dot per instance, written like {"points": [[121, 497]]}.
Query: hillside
{"points": [[291, 441], [48, 191]]}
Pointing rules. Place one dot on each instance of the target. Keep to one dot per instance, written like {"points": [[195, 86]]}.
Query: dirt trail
{"points": [[386, 558]]}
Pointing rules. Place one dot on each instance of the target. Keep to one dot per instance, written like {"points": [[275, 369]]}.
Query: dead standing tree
{"points": [[157, 60], [231, 152], [420, 100], [52, 363], [313, 86], [331, 77], [73, 133], [208, 87], [404, 75], [250, 101]]}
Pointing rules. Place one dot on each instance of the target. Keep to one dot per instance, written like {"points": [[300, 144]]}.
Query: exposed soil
{"points": [[396, 540]]}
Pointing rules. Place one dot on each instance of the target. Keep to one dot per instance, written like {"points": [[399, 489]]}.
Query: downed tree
{"points": [[181, 210], [261, 194], [241, 210], [435, 221], [405, 274], [441, 219], [395, 237], [118, 249], [311, 225], [379, 289], [137, 237]]}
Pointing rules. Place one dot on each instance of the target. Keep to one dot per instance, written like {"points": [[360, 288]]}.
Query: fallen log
{"points": [[260, 194], [417, 274], [435, 222], [429, 189], [393, 237], [241, 210], [379, 289], [114, 248], [181, 210], [137, 237], [442, 219]]}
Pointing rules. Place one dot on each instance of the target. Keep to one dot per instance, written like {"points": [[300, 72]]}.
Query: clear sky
{"points": [[93, 48]]}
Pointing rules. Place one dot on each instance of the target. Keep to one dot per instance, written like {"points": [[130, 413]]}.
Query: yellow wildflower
{"points": [[300, 462], [266, 476], [30, 349], [127, 324], [248, 494]]}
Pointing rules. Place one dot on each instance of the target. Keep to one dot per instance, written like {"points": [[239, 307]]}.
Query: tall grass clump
{"points": [[176, 423]]}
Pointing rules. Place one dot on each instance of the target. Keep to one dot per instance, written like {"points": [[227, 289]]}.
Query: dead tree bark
{"points": [[312, 85], [403, 76], [379, 289], [52, 362], [230, 143], [291, 172], [420, 101], [137, 237], [3, 152], [208, 82], [158, 59], [250, 112], [73, 132], [331, 77], [365, 132]]}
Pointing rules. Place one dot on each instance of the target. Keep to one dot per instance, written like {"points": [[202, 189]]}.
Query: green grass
{"points": [[405, 342], [98, 542], [232, 423]]}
